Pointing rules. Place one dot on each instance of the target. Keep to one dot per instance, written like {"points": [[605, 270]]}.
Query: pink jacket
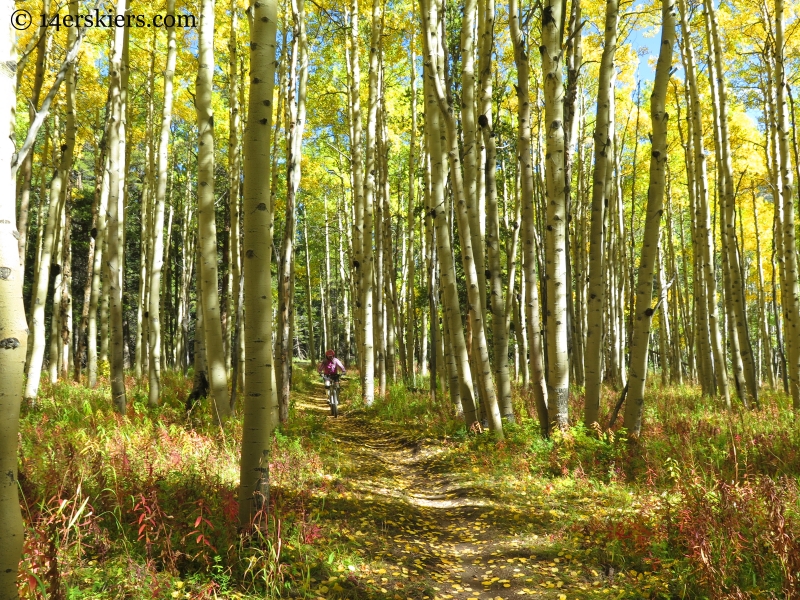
{"points": [[330, 367]]}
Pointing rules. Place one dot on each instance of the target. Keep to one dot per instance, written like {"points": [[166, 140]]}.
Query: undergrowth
{"points": [[705, 504]]}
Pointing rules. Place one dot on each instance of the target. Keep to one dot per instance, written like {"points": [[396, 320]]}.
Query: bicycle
{"points": [[332, 392]]}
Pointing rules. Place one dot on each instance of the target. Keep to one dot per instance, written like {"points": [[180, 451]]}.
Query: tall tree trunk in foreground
{"points": [[116, 146], [158, 218], [791, 293], [603, 166], [556, 222], [13, 327], [655, 200], [206, 220], [259, 417], [367, 350], [530, 281]]}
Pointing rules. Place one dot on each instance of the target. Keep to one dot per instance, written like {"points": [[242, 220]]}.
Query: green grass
{"points": [[704, 505]]}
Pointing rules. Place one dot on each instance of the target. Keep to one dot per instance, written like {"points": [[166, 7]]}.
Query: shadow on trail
{"points": [[419, 530]]}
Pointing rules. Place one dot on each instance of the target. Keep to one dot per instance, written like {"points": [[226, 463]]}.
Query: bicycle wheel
{"points": [[334, 402]]}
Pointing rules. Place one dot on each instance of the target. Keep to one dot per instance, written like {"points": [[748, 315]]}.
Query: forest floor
{"points": [[400, 500], [425, 526]]}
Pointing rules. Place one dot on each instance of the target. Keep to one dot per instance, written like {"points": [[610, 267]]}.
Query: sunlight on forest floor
{"points": [[398, 501]]}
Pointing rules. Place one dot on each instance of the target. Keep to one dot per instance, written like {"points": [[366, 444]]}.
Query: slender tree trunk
{"points": [[55, 215], [259, 416], [703, 223], [116, 143], [26, 169], [790, 296], [556, 220], [452, 308], [158, 219], [603, 149], [206, 221], [530, 281], [655, 199], [737, 312]]}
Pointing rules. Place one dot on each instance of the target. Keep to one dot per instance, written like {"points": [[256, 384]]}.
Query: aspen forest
{"points": [[552, 245]]}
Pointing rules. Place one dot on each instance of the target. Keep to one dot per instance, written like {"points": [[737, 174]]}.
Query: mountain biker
{"points": [[330, 365]]}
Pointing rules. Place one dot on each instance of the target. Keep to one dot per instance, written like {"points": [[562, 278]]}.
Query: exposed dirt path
{"points": [[416, 529]]}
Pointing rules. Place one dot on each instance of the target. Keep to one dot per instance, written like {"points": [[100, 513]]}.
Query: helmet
{"points": [[330, 354]]}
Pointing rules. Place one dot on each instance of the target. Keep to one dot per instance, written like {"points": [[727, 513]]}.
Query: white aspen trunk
{"points": [[452, 309], [55, 320], [312, 350], [525, 165], [26, 169], [490, 409], [790, 294], [655, 200], [13, 327], [50, 246], [558, 287], [259, 416], [97, 273], [116, 153], [766, 346], [367, 349], [206, 221], [154, 308], [603, 157], [411, 372], [703, 223], [357, 187], [737, 293]]}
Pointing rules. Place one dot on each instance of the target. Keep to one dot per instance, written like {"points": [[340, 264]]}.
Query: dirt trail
{"points": [[423, 532]]}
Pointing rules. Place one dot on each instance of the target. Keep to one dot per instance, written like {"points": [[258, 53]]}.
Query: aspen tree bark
{"points": [[146, 232], [603, 135], [473, 169], [259, 416], [484, 375], [154, 308], [497, 303], [58, 195], [525, 165], [312, 349], [357, 187], [26, 169], [452, 309], [366, 290], [97, 271], [655, 199], [206, 220], [82, 340], [703, 220], [558, 287], [116, 145], [411, 373], [296, 116], [235, 89], [790, 294], [728, 200], [762, 303], [58, 288], [64, 334], [13, 327]]}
